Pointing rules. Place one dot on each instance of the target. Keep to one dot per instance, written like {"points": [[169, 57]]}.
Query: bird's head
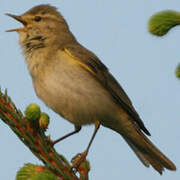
{"points": [[42, 23]]}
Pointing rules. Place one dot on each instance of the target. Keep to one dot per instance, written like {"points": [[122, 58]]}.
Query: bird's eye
{"points": [[37, 18]]}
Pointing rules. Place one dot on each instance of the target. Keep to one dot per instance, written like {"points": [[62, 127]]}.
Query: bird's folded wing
{"points": [[92, 64]]}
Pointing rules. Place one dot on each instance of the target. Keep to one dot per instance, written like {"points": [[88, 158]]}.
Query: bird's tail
{"points": [[147, 152]]}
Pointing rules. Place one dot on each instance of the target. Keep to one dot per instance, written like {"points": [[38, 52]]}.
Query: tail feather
{"points": [[155, 163], [147, 152], [155, 154], [138, 153]]}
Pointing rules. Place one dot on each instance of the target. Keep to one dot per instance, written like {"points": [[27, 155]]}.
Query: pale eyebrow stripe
{"points": [[41, 15]]}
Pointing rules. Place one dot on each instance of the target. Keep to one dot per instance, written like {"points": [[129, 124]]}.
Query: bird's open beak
{"points": [[18, 18]]}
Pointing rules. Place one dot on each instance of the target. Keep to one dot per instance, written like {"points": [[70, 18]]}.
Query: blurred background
{"points": [[116, 31]]}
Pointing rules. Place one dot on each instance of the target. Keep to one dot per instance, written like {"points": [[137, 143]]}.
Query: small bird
{"points": [[73, 82]]}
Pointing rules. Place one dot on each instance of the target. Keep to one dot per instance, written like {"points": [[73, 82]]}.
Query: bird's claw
{"points": [[78, 159]]}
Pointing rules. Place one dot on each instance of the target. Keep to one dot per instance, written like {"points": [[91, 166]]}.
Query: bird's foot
{"points": [[78, 160]]}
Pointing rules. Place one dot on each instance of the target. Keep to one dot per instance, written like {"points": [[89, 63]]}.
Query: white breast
{"points": [[73, 92]]}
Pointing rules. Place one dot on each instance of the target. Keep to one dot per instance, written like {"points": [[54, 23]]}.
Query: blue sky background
{"points": [[144, 65]]}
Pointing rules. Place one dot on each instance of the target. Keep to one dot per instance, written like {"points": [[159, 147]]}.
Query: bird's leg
{"points": [[79, 158], [97, 125], [77, 129]]}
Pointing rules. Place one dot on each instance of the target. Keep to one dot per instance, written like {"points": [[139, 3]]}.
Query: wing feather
{"points": [[91, 63]]}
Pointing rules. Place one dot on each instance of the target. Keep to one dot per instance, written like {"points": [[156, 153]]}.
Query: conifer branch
{"points": [[38, 143]]}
